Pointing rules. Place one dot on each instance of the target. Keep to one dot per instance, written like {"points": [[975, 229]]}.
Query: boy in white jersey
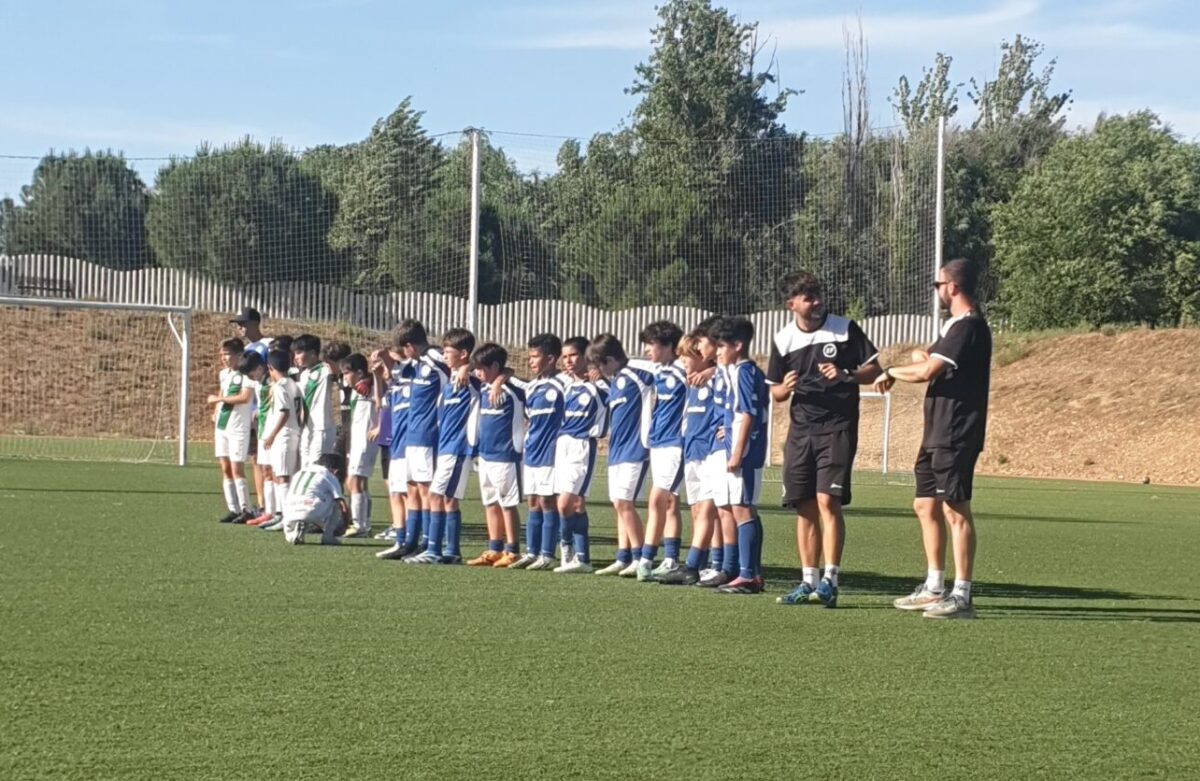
{"points": [[318, 432], [281, 434], [585, 420], [231, 418], [316, 498], [362, 450], [264, 483]]}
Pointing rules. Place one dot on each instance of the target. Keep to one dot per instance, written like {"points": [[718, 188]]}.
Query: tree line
{"points": [[703, 197]]}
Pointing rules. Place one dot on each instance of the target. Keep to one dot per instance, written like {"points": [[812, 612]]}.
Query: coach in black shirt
{"points": [[958, 369], [817, 363]]}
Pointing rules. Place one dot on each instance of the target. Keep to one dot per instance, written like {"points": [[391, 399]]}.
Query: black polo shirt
{"points": [[956, 400], [818, 405]]}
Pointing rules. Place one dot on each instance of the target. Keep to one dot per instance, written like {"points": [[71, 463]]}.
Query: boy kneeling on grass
{"points": [[316, 498]]}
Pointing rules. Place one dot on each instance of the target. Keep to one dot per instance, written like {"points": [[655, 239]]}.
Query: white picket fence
{"points": [[509, 324]]}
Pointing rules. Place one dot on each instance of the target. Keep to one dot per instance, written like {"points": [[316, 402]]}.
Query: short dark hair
{"points": [[306, 343], [489, 354], [282, 343], [580, 343], [964, 274], [233, 346], [331, 461], [661, 332], [606, 346], [279, 360], [546, 344], [354, 362], [705, 326], [335, 352], [800, 283], [459, 339], [733, 329], [409, 331], [249, 362]]}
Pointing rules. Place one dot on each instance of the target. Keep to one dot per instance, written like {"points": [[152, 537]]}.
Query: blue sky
{"points": [[153, 78]]}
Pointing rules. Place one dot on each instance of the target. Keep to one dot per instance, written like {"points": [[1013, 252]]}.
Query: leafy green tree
{"points": [[89, 206], [245, 213], [1106, 230], [934, 96]]}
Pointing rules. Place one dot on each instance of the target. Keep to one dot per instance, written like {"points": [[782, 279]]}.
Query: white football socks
{"points": [[831, 574], [811, 576], [359, 514], [268, 498], [243, 496], [935, 580], [963, 589], [231, 499], [281, 495]]}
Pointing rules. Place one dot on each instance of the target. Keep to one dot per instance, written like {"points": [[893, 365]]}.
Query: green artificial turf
{"points": [[141, 639]]}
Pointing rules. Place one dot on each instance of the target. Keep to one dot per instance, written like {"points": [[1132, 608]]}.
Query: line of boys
{"points": [[674, 416]]}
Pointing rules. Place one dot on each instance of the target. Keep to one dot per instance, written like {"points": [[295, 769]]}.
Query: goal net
{"points": [[92, 381]]}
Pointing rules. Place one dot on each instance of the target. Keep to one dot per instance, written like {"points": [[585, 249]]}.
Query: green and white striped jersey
{"points": [[233, 418]]}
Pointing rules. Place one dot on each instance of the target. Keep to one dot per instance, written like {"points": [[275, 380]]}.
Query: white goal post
{"points": [[95, 381]]}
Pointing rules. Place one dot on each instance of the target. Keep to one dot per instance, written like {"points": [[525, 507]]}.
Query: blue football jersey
{"points": [[746, 394], [702, 417], [630, 407], [501, 428], [456, 411], [670, 397], [398, 403], [544, 411], [429, 375], [585, 410]]}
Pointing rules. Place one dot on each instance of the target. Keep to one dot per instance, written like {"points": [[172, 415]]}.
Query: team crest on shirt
{"points": [[670, 382], [620, 383], [585, 399], [552, 395], [829, 350], [406, 391], [425, 370], [703, 394]]}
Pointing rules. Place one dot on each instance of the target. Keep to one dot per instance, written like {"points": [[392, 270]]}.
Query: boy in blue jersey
{"points": [[630, 399], [500, 437], [398, 373], [585, 419], [663, 523], [430, 374], [704, 458], [745, 447], [457, 412], [544, 415]]}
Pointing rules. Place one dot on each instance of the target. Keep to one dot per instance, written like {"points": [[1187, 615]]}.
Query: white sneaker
{"points": [[565, 553], [612, 569], [523, 562], [424, 557], [277, 526], [394, 552], [632, 570], [542, 562], [574, 566], [358, 532], [387, 534]]}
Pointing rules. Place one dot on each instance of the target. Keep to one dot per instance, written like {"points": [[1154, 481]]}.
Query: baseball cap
{"points": [[247, 315]]}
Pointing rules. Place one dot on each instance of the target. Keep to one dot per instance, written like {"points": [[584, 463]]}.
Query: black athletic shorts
{"points": [[818, 463], [945, 473]]}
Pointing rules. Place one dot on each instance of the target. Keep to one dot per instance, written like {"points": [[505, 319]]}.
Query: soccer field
{"points": [[141, 639]]}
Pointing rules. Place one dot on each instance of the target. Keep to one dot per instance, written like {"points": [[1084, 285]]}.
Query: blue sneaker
{"points": [[800, 595], [827, 593]]}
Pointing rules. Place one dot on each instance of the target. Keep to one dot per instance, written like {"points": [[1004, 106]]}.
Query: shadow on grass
{"points": [[853, 581], [904, 513], [216, 495], [1161, 615]]}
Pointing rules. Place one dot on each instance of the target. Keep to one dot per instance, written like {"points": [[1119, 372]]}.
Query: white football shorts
{"points": [[284, 454], [233, 445], [450, 476], [398, 475], [538, 480], [625, 481], [700, 477], [499, 483], [744, 486], [666, 468], [315, 443], [421, 463], [360, 461], [574, 465]]}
